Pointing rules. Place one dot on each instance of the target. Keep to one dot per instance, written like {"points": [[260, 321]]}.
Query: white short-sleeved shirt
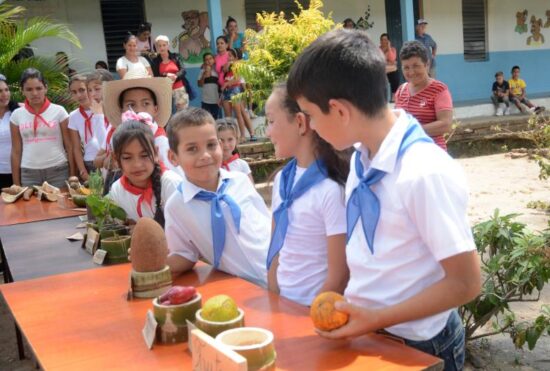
{"points": [[46, 149], [423, 220], [140, 67], [5, 144], [239, 165], [129, 201], [317, 214], [210, 88], [189, 234], [77, 123]]}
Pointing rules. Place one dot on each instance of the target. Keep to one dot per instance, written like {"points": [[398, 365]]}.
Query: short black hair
{"points": [[515, 68], [341, 64], [32, 73], [123, 93], [412, 49]]}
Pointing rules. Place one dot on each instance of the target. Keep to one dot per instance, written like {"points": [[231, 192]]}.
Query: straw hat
{"points": [[160, 86]]}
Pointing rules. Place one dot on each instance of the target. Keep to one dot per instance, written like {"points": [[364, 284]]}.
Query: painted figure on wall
{"points": [[547, 24], [521, 21], [194, 40], [536, 38]]}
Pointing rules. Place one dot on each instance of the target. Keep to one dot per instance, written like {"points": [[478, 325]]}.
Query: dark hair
{"points": [[102, 64], [123, 93], [234, 53], [341, 64], [127, 38], [229, 20], [136, 130], [99, 75], [146, 26], [412, 49], [515, 68], [348, 20], [499, 73], [188, 117], [336, 163], [223, 37], [205, 54], [12, 106], [31, 73], [384, 35]]}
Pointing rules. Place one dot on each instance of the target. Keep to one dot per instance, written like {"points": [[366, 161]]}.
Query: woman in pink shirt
{"points": [[391, 62], [222, 58]]}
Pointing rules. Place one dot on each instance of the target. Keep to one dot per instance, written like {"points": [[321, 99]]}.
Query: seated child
{"points": [[150, 98], [86, 131], [228, 133], [145, 184], [307, 254], [501, 92], [518, 94], [410, 250], [208, 81], [209, 196]]}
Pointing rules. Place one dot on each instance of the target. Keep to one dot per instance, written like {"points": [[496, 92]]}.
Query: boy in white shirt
{"points": [[410, 250], [215, 215]]}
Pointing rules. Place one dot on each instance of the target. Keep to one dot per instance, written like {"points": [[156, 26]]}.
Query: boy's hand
{"points": [[361, 321]]}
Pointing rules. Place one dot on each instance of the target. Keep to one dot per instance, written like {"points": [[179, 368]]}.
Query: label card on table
{"points": [[99, 256], [208, 354], [92, 240], [150, 329], [76, 237]]}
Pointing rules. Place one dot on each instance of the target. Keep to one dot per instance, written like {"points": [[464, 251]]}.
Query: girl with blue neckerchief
{"points": [[307, 251]]}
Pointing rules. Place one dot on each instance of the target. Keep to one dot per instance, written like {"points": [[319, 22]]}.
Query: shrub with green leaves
{"points": [[516, 266], [273, 50]]}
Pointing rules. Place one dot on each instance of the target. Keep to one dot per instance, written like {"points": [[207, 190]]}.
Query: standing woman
{"points": [[235, 38], [427, 99], [131, 60], [391, 62], [143, 42], [6, 108], [168, 64], [41, 146]]}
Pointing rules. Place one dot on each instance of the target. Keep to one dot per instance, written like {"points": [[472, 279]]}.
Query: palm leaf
{"points": [[28, 31], [9, 13]]}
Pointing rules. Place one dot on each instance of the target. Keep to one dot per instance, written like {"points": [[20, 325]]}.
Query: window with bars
{"points": [[119, 18], [252, 7], [474, 25]]}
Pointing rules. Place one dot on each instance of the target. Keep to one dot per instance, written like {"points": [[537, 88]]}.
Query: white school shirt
{"points": [[139, 68], [189, 234], [423, 202], [5, 144], [129, 201], [76, 123], [239, 165], [318, 213], [46, 149]]}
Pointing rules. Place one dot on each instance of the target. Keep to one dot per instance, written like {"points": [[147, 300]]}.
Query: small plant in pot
{"points": [[108, 220]]}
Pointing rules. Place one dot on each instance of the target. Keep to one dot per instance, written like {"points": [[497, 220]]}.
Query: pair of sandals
{"points": [[252, 138]]}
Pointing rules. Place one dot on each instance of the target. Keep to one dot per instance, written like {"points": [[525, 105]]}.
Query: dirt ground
{"points": [[495, 181]]}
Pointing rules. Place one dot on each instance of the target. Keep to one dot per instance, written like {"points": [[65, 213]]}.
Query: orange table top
{"points": [[82, 321], [33, 210]]}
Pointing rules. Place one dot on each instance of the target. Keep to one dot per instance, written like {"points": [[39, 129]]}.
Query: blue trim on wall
{"points": [[473, 80]]}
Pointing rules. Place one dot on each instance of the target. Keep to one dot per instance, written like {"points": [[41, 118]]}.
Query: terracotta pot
{"points": [[253, 343], [215, 328], [172, 319]]}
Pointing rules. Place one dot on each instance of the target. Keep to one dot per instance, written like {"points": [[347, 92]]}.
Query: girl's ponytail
{"points": [[156, 180]]}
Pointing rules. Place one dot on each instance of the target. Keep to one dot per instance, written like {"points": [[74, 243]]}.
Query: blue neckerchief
{"points": [[217, 221], [315, 173], [363, 202]]}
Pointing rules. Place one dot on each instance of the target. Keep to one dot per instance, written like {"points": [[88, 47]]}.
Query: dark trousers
{"points": [[214, 109], [5, 180]]}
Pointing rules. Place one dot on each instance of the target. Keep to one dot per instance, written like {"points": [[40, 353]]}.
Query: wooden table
{"points": [[33, 210], [82, 321], [41, 249]]}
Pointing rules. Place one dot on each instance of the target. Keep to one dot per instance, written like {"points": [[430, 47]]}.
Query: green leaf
{"points": [[532, 336]]}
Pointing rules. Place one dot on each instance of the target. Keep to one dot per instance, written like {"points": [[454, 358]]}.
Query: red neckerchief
{"points": [[87, 124], [145, 194], [160, 132], [105, 122], [108, 140], [38, 115], [225, 164]]}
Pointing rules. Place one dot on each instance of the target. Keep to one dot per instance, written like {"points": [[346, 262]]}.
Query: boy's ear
{"points": [[173, 157], [342, 109], [303, 123]]}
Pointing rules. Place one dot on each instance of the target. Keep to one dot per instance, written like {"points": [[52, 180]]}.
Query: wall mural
{"points": [[536, 39], [194, 40]]}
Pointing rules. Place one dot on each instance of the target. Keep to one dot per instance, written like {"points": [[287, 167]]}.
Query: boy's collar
{"points": [[189, 190]]}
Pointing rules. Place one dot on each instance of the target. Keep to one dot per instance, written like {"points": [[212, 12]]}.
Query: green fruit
{"points": [[220, 308], [79, 201]]}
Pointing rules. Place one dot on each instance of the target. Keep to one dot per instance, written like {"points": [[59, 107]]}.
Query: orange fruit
{"points": [[325, 317]]}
